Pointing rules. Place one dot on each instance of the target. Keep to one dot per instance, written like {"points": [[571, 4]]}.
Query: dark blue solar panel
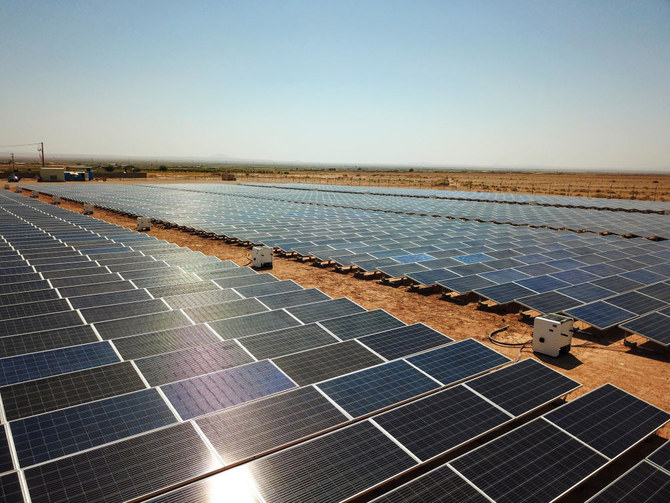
{"points": [[48, 436], [431, 276], [404, 341], [543, 284], [642, 483], [637, 303], [504, 275], [466, 283], [603, 270], [549, 302], [575, 276], [537, 269], [586, 292], [653, 326], [474, 258], [660, 291], [58, 361], [661, 456], [375, 388], [600, 314], [458, 361], [643, 276], [200, 395], [617, 283], [504, 293], [417, 257], [533, 258]]}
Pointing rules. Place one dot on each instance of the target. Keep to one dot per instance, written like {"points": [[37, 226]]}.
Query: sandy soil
{"points": [[593, 361]]}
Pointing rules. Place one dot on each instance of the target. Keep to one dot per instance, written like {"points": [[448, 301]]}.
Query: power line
{"points": [[22, 145]]}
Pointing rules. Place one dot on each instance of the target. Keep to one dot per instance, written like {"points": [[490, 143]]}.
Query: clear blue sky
{"points": [[481, 83]]}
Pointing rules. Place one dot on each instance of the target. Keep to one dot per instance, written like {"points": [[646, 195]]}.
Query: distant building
{"points": [[52, 174]]}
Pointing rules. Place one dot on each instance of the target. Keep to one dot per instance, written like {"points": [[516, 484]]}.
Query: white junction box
{"points": [[88, 209], [552, 334], [143, 224], [261, 256]]}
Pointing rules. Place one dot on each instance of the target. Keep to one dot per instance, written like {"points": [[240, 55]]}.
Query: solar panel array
{"points": [[143, 374], [594, 276]]}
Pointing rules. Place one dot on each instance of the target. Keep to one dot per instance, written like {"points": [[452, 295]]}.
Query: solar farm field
{"points": [[135, 368]]}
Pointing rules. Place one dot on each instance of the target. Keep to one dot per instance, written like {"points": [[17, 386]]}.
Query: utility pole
{"points": [[41, 149], [12, 155]]}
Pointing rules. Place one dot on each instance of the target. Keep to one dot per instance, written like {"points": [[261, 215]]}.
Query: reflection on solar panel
{"points": [[286, 340], [141, 324], [212, 312], [262, 425], [49, 339], [332, 467], [357, 325], [643, 482], [52, 393], [211, 392], [88, 425], [184, 288], [126, 469], [610, 420], [253, 324], [140, 346], [187, 300], [57, 361], [600, 314], [317, 311], [372, 389], [547, 460], [452, 363], [441, 484], [522, 387], [322, 363], [404, 341]]}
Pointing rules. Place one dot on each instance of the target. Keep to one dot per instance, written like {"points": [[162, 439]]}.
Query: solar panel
{"points": [[543, 284], [256, 427], [600, 315], [548, 302], [617, 283], [23, 297], [79, 271], [661, 456], [191, 362], [57, 361], [242, 281], [27, 286], [404, 341], [6, 463], [212, 312], [332, 467], [465, 284], [141, 324], [457, 361], [208, 393], [33, 309], [268, 288], [318, 311], [39, 323], [125, 310], [441, 484], [522, 387], [51, 393], [105, 299], [660, 291], [253, 324], [643, 482], [165, 341], [85, 280], [535, 462], [504, 293], [360, 324], [124, 470], [184, 288], [294, 298], [325, 362], [375, 388], [10, 488], [609, 420], [286, 340], [78, 291], [586, 292], [63, 432], [207, 297]]}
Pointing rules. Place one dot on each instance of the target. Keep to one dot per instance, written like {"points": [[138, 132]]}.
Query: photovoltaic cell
{"points": [[105, 299], [323, 363], [643, 482], [78, 291], [457, 361], [661, 456], [187, 300], [27, 286], [617, 283], [185, 288], [660, 291], [39, 323], [49, 339], [548, 302], [191, 362], [57, 361], [124, 470], [609, 419], [586, 292], [33, 309], [253, 324], [441, 484], [165, 341], [10, 488], [466, 283], [286, 340], [60, 433], [404, 341], [504, 293], [327, 309], [295, 298], [6, 463], [373, 389], [10, 299], [212, 312], [360, 324], [141, 324], [268, 288], [600, 314], [208, 393], [547, 460], [51, 393], [256, 427], [522, 387], [125, 310], [332, 467]]}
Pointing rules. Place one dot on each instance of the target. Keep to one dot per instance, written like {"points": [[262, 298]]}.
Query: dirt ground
{"points": [[593, 361]]}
